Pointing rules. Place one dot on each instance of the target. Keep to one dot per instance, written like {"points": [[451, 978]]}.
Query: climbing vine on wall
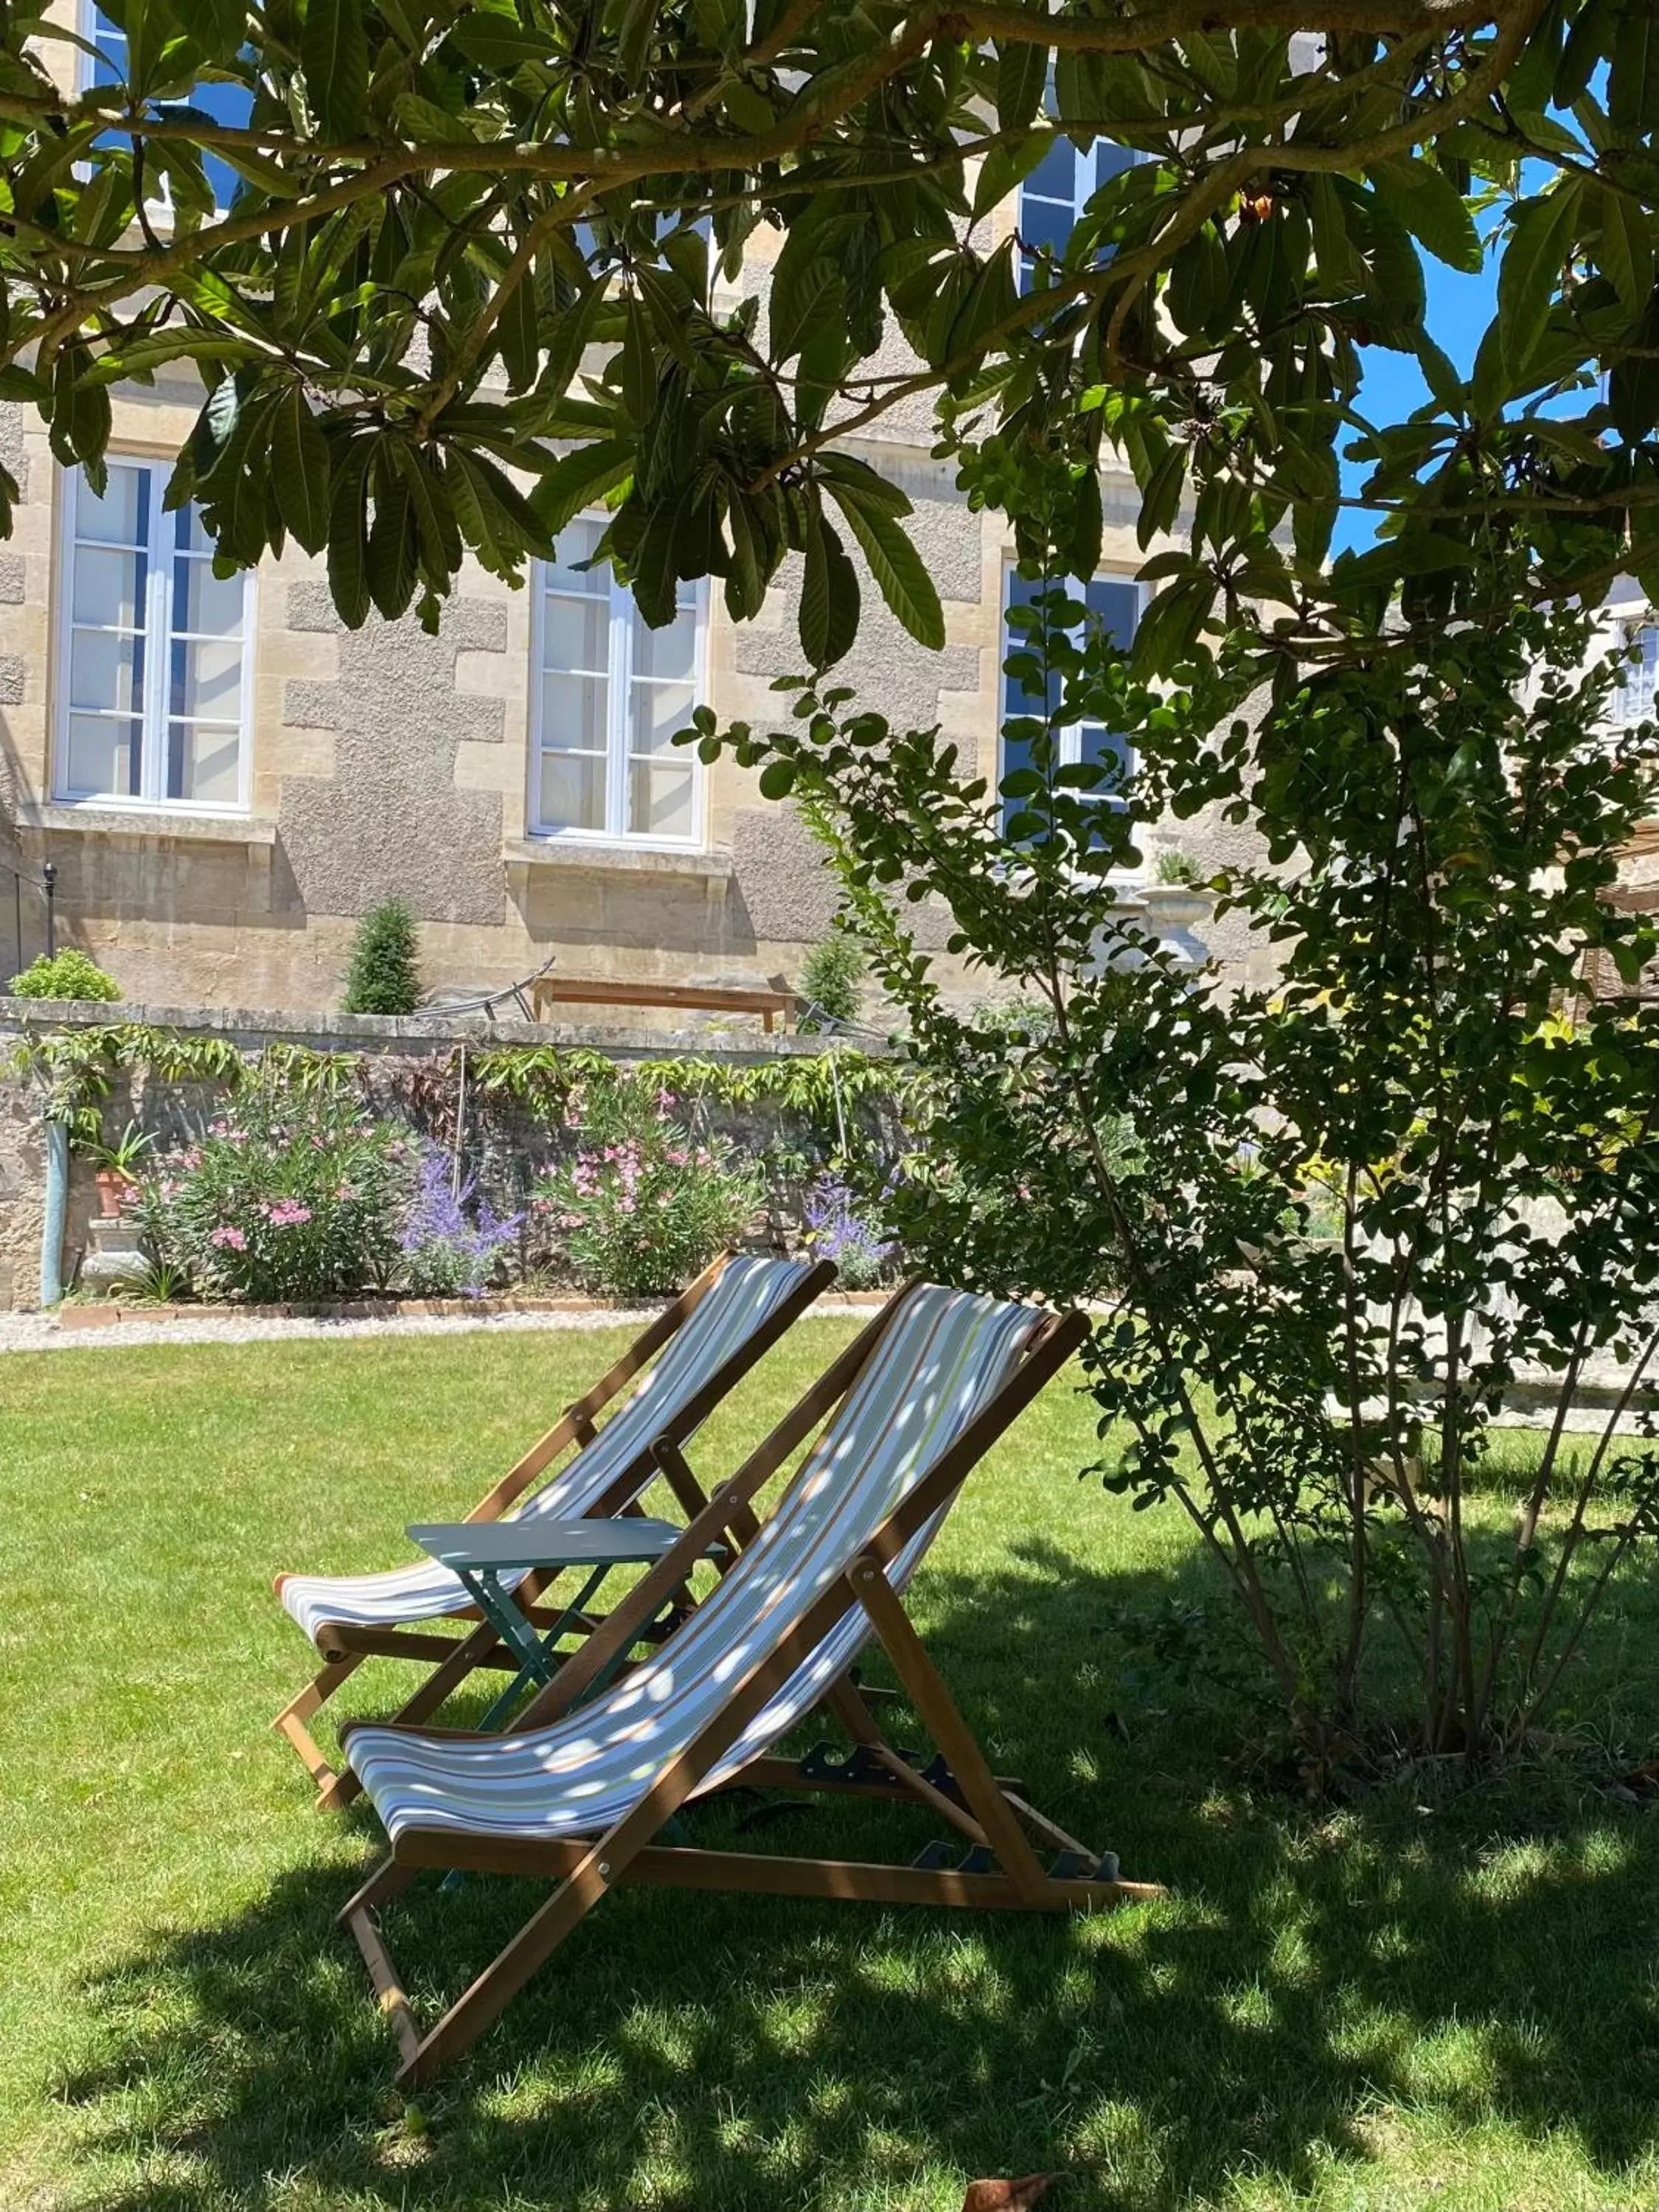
{"points": [[78, 1069]]}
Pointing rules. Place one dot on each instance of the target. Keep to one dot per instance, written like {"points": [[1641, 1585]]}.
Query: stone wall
{"points": [[505, 1148]]}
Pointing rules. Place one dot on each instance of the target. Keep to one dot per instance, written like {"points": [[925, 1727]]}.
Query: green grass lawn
{"points": [[1387, 2006]]}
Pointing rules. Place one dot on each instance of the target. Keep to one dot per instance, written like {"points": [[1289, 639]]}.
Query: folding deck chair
{"points": [[707, 1340], [582, 1800]]}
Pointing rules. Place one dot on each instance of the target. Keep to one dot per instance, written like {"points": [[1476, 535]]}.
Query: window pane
{"points": [[203, 764], [579, 542], [573, 792], [1116, 607], [1111, 162], [660, 803], [109, 588], [576, 634], [574, 713], [671, 651], [106, 670], [121, 517], [206, 680], [103, 756], [1055, 177], [1047, 222], [208, 605], [659, 710]]}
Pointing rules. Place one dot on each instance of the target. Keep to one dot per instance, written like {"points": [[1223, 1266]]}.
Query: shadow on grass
{"points": [[1311, 1975]]}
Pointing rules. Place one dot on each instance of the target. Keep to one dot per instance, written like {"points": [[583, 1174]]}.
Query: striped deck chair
{"points": [[581, 1795], [702, 1345]]}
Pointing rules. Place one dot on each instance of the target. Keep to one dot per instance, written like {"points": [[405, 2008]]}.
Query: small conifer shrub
{"points": [[384, 976], [831, 981]]}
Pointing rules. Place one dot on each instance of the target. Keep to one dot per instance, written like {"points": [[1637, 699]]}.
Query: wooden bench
{"points": [[771, 1004]]}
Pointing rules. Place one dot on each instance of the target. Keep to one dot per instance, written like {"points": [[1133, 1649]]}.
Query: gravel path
{"points": [[34, 1332], [26, 1332]]}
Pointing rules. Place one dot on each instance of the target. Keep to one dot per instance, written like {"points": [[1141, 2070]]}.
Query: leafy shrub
{"points": [[293, 1195], [832, 980], [644, 1205], [445, 1254], [384, 976], [68, 975], [836, 1230]]}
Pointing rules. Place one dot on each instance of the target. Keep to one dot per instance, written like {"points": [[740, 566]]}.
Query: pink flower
{"points": [[287, 1213], [665, 1100], [228, 1239]]}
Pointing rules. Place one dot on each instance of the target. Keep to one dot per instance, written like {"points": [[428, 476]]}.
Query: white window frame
{"points": [[1638, 697], [1071, 737], [159, 638], [624, 614]]}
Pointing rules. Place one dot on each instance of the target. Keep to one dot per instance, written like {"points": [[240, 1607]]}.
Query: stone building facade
{"points": [[384, 761], [225, 781]]}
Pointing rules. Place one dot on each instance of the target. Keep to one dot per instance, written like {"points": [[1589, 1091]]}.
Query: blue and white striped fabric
{"points": [[937, 1367], [748, 1292]]}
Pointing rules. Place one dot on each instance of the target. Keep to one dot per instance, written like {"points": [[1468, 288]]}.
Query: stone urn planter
{"points": [[1168, 912], [114, 1262], [1174, 912]]}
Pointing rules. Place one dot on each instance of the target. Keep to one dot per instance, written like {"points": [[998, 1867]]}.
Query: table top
{"points": [[624, 1540]]}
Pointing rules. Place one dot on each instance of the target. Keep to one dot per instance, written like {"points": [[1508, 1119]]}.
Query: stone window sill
{"points": [[613, 859], [147, 823]]}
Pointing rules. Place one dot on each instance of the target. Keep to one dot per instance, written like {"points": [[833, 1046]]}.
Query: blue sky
{"points": [[1459, 309]]}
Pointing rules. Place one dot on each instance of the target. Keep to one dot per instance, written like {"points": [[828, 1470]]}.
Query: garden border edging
{"points": [[107, 1313]]}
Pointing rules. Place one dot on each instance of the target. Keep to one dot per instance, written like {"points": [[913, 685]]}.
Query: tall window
{"points": [[231, 104], [153, 696], [608, 696], [1053, 198], [1113, 602], [1637, 699]]}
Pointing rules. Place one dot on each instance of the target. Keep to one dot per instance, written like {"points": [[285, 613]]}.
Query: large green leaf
{"points": [[901, 578], [829, 593], [580, 479], [392, 573], [1625, 247], [1540, 243], [348, 532], [334, 54], [299, 454], [1633, 70], [1022, 72], [1424, 198]]}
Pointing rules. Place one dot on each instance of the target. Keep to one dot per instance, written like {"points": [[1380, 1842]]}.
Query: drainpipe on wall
{"points": [[51, 1233]]}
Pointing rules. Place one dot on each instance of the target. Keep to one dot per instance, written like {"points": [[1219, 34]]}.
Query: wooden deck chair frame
{"points": [[1002, 1870], [344, 1645]]}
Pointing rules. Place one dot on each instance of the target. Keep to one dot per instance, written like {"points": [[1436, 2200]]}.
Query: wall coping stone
{"points": [[432, 1032]]}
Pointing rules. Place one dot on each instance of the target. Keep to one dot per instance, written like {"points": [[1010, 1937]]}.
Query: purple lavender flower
{"points": [[444, 1252], [836, 1231]]}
